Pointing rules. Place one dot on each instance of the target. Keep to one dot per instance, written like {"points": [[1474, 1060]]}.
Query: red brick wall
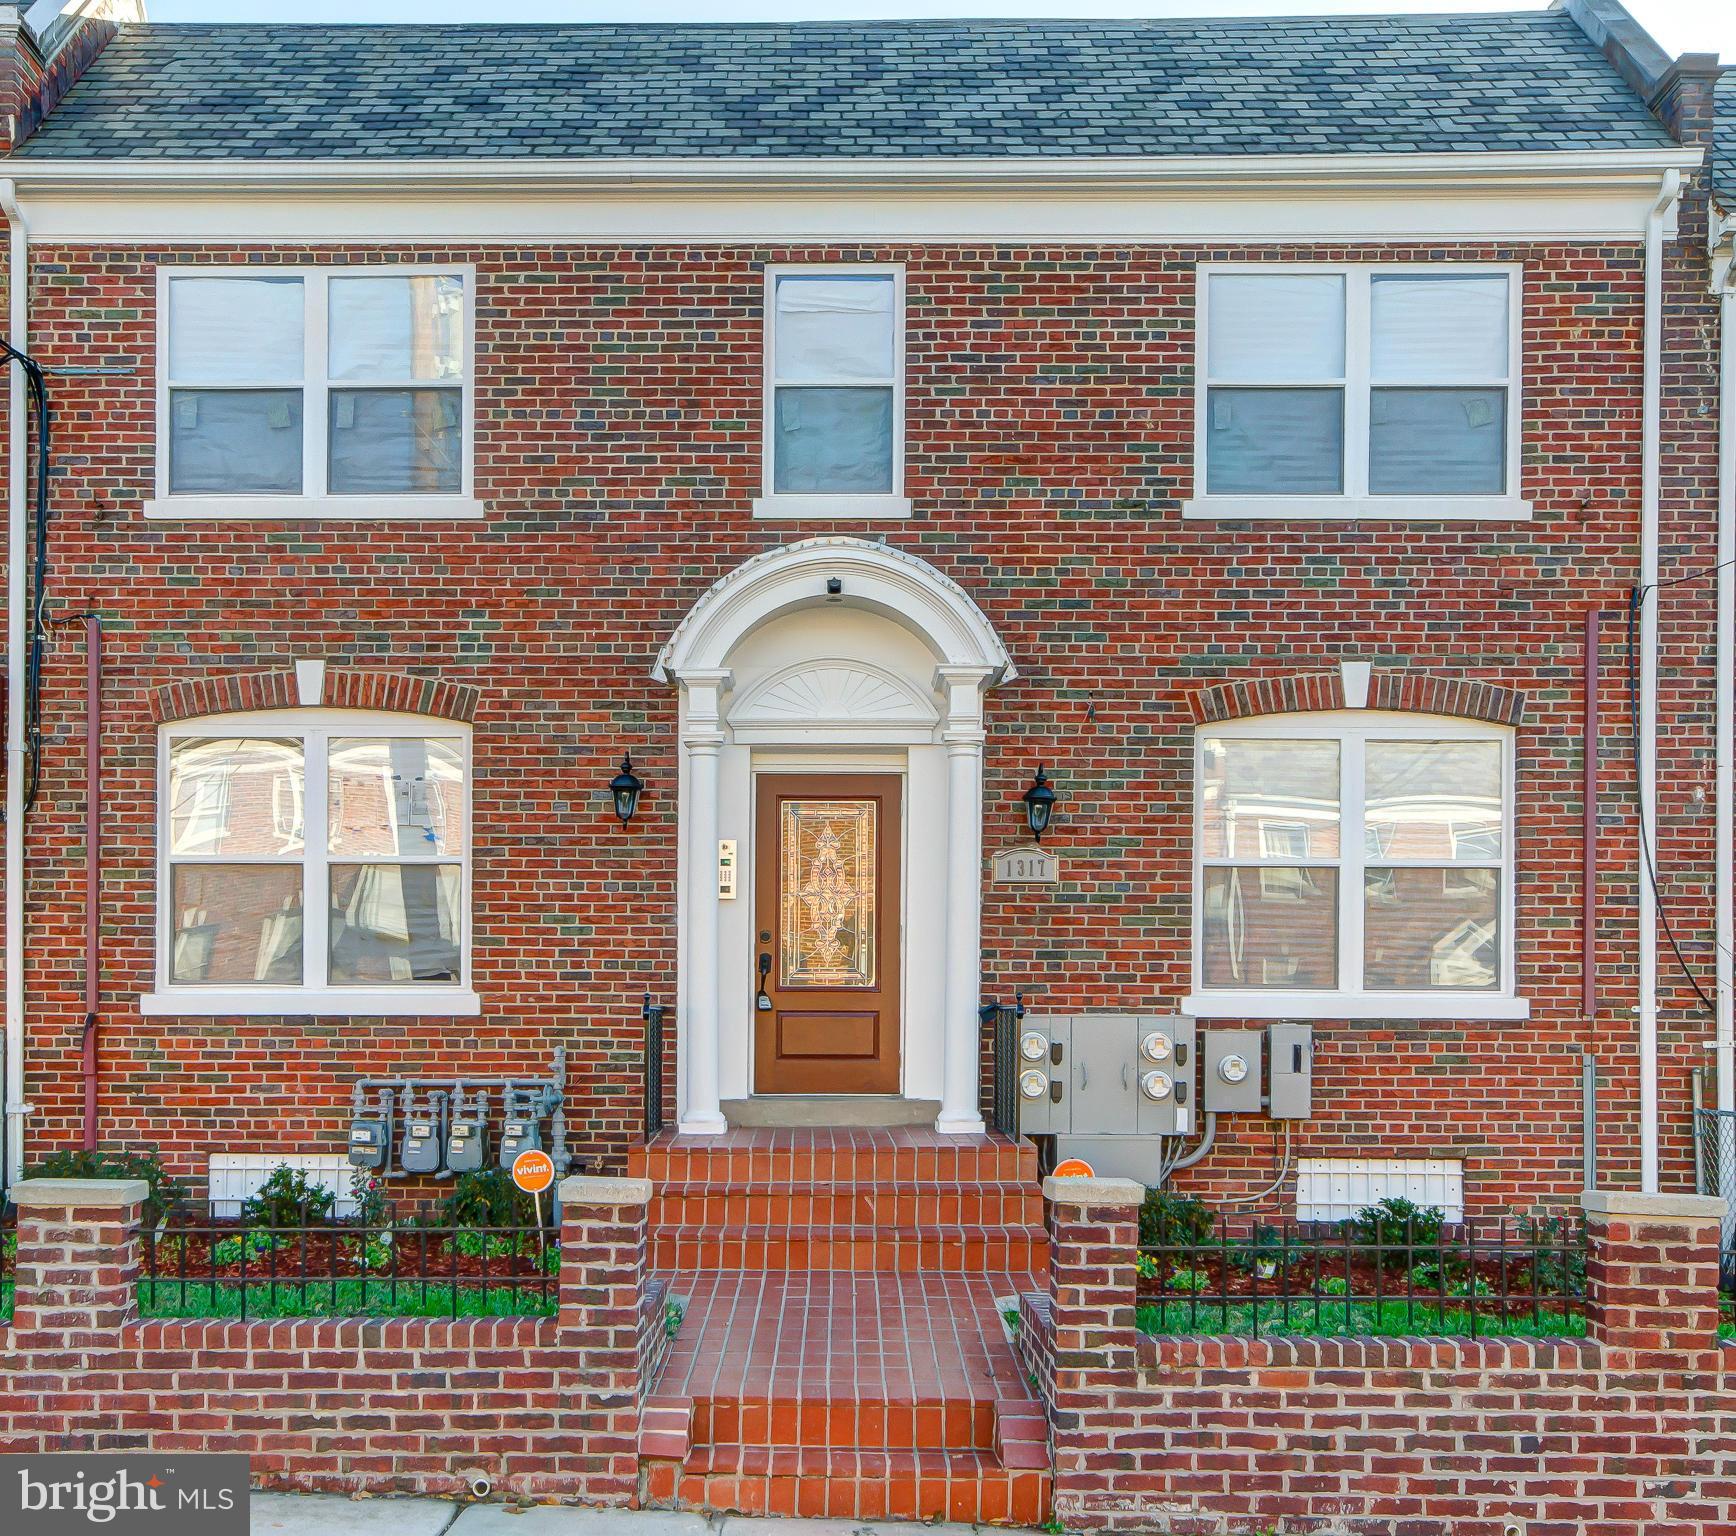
{"points": [[1049, 443]]}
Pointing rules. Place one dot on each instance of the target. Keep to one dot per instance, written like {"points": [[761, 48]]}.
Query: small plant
{"points": [[229, 1250], [1335, 1285], [165, 1190], [487, 1199], [1397, 1223], [1175, 1221], [1194, 1280], [1145, 1266], [550, 1262], [368, 1195], [1259, 1254], [674, 1310], [1558, 1256], [282, 1200], [475, 1245]]}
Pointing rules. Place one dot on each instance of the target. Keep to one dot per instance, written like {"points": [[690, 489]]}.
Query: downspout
{"points": [[92, 866], [1646, 748], [17, 558], [1724, 1041]]}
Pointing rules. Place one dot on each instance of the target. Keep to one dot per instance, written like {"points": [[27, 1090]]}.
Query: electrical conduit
{"points": [[17, 750]]}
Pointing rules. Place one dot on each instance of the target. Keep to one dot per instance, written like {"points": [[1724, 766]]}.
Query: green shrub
{"points": [[284, 1197], [166, 1191], [256, 1244], [1560, 1255], [1335, 1285], [1396, 1222], [368, 1194], [1188, 1280], [1168, 1220], [1262, 1249], [487, 1198]]}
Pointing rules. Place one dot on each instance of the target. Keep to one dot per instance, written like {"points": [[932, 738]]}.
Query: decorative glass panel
{"points": [[834, 327], [396, 328], [1268, 442], [395, 924], [395, 796], [235, 440], [1269, 799], [826, 852], [235, 923], [1442, 442], [1428, 930], [837, 440], [238, 798], [1439, 330], [396, 441], [235, 330], [1271, 327], [1435, 800], [1270, 927]]}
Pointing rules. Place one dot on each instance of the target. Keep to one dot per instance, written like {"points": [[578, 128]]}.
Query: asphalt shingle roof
{"points": [[1723, 154], [1523, 81]]}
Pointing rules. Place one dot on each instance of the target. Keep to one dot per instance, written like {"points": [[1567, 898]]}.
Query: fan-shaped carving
{"points": [[833, 693]]}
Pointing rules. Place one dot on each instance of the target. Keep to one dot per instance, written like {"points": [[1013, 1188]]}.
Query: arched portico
{"points": [[834, 655]]}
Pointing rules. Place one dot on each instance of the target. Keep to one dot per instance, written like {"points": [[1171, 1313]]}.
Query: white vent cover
{"points": [[237, 1175], [1336, 1188]]}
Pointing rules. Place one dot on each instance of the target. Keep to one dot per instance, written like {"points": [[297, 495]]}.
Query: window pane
{"points": [[395, 796], [394, 924], [236, 923], [1269, 799], [390, 441], [1438, 330], [1433, 800], [235, 330], [239, 797], [834, 328], [396, 328], [833, 440], [1273, 441], [1428, 930], [1268, 326], [1271, 927], [235, 440], [1448, 442]]}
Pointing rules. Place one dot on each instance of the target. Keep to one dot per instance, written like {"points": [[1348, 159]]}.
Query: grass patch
{"points": [[341, 1298], [6, 1290], [1350, 1317]]}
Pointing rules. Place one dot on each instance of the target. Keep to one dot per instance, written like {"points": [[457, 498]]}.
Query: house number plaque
{"points": [[1026, 866]]}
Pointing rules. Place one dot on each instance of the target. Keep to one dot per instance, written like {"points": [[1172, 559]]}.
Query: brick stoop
{"points": [[842, 1355]]}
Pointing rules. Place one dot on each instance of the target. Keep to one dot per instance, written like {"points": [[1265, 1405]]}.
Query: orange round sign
{"points": [[533, 1171], [1074, 1168]]}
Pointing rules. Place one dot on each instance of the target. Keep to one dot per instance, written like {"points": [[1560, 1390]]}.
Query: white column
{"points": [[962, 996], [701, 740]]}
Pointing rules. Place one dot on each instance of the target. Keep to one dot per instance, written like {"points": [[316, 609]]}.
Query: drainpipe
{"points": [[1669, 193], [1724, 1042], [17, 558], [92, 865]]}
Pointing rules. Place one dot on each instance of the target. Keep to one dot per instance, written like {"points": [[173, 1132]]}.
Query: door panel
{"points": [[827, 921]]}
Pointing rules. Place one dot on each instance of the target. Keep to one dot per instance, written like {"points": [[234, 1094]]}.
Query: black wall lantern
{"points": [[625, 787], [1039, 804]]}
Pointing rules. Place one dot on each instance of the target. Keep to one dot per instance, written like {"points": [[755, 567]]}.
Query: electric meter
{"points": [[1033, 1045], [1033, 1084], [1157, 1085], [1155, 1046], [1233, 1069]]}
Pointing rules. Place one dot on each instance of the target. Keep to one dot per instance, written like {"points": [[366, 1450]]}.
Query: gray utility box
{"points": [[1233, 1080], [1105, 1075], [1291, 1048]]}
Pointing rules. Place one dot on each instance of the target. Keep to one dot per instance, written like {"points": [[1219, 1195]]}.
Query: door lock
{"points": [[761, 1001]]}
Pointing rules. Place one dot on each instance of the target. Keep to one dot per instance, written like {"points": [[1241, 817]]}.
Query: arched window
{"points": [[313, 861], [1354, 864]]}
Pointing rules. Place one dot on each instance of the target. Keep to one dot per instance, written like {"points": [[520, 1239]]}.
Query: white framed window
{"points": [[834, 393], [315, 392], [1353, 864], [313, 862], [1347, 391]]}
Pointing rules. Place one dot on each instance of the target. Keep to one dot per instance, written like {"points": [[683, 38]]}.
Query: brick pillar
{"points": [[603, 1248], [1651, 1276], [1093, 1236], [78, 1255]]}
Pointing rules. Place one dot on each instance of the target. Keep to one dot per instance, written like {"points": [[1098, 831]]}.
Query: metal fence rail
{"points": [[653, 1015], [1715, 1174], [1003, 1020]]}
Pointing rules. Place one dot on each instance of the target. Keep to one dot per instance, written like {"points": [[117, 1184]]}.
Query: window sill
{"points": [[242, 509], [1422, 509], [1358, 1005], [775, 507], [326, 1002]]}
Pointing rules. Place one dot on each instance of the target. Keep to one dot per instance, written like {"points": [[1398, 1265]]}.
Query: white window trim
{"points": [[769, 504], [309, 503], [1344, 726], [1355, 501], [195, 1001]]}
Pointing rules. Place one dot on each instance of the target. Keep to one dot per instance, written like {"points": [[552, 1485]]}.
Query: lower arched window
{"points": [[313, 861]]}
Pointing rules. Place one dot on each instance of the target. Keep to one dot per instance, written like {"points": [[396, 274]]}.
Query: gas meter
{"points": [[370, 1131], [466, 1144], [421, 1150], [520, 1133]]}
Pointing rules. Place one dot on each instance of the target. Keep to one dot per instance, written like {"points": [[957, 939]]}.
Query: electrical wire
{"points": [[38, 627]]}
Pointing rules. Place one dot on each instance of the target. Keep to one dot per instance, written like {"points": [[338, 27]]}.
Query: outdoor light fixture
{"points": [[624, 788], [1039, 804]]}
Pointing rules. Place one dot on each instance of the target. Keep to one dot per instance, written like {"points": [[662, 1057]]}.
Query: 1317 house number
{"points": [[1026, 866]]}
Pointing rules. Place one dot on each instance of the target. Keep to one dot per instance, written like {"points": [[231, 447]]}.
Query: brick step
{"points": [[883, 1250], [705, 1204], [959, 1424], [762, 1159], [850, 1484]]}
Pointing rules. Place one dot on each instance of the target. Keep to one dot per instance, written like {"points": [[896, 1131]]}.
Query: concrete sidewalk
{"points": [[330, 1514]]}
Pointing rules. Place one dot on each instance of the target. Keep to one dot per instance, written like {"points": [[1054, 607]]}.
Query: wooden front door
{"points": [[827, 917]]}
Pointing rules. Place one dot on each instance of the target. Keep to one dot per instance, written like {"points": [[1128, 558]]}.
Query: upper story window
{"points": [[341, 392], [1354, 865], [314, 862], [834, 395], [1358, 391]]}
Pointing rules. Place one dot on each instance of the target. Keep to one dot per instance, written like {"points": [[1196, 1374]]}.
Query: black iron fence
{"points": [[1003, 1020], [1367, 1276], [653, 1015], [309, 1266], [1715, 1174]]}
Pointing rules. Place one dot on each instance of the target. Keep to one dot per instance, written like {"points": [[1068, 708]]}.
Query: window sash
{"points": [[316, 862], [1358, 383], [1353, 863], [314, 386]]}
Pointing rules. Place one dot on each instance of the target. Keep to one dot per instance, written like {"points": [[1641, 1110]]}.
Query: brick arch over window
{"points": [[222, 693], [1424, 693]]}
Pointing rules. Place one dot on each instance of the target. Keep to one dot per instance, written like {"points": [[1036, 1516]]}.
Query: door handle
{"points": [[761, 1001], [1082, 1078], [1124, 1081]]}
